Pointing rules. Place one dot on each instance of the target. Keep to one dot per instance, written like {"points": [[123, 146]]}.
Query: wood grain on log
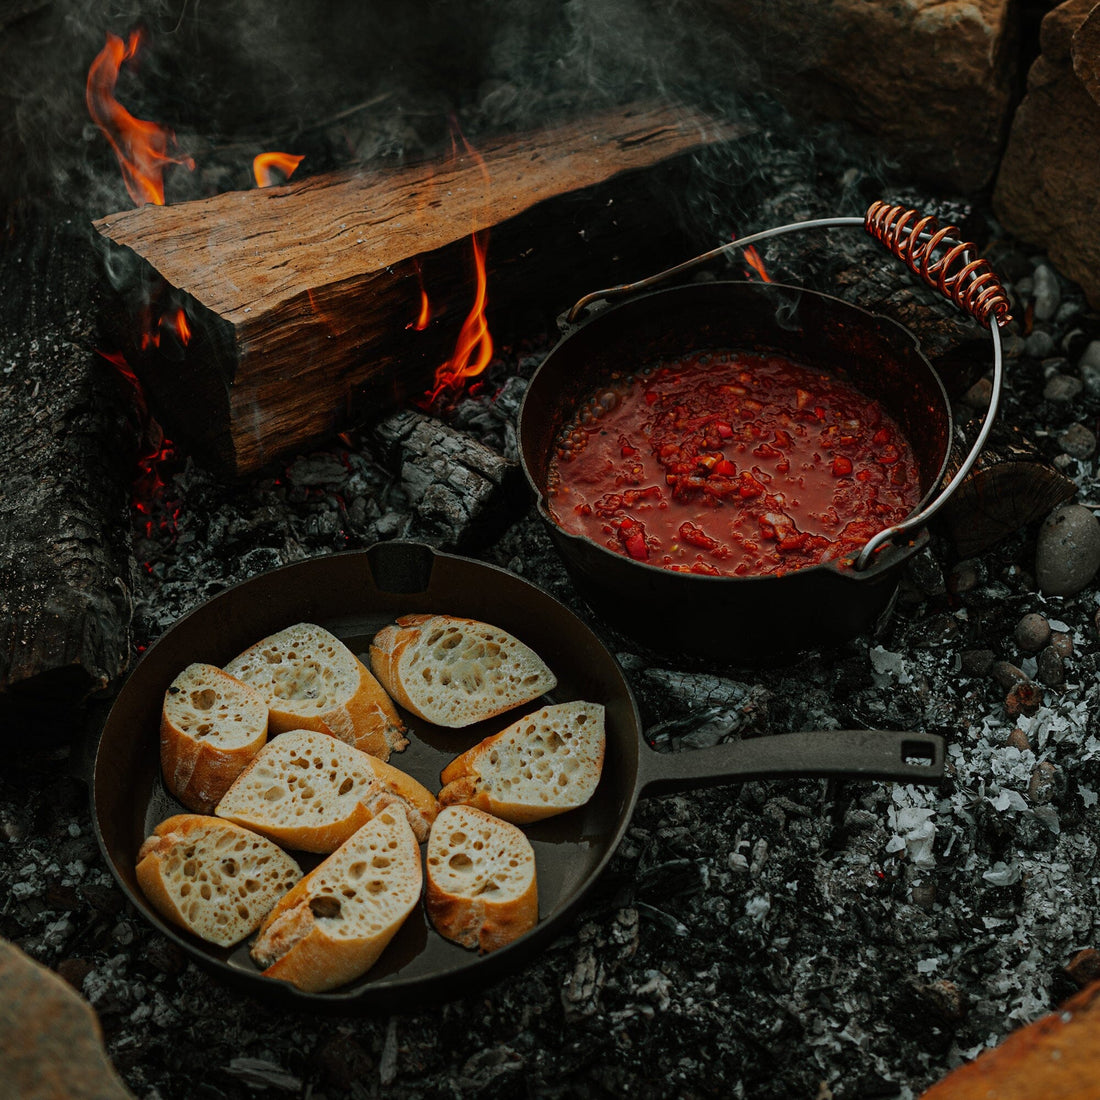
{"points": [[66, 462], [1010, 486], [302, 297]]}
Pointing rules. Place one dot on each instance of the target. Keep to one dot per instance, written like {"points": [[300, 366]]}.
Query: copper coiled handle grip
{"points": [[941, 260]]}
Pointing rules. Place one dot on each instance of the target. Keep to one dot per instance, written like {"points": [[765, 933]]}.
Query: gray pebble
{"points": [[1051, 669], [978, 396], [1007, 674], [1013, 345], [1048, 294], [1040, 344], [1067, 554], [1032, 632], [1090, 357], [1062, 387], [1090, 376], [1077, 440]]}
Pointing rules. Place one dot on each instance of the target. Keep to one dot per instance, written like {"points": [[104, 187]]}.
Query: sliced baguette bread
{"points": [[453, 671], [311, 680], [481, 885], [212, 877], [211, 726], [308, 791], [332, 927], [544, 764]]}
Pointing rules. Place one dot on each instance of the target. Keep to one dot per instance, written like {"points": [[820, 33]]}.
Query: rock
{"points": [[870, 64], [1062, 643], [1032, 632], [1043, 784], [1078, 441], [1017, 739], [1024, 698], [1007, 674], [1048, 294], [1051, 668], [1049, 175], [1040, 344], [976, 662], [1062, 387], [979, 395], [1084, 967], [1067, 553], [51, 1046]]}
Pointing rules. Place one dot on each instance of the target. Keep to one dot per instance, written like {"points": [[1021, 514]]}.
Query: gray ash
{"points": [[767, 940]]}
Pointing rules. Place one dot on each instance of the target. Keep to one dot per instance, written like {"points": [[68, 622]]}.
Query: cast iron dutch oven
{"points": [[727, 620], [354, 594]]}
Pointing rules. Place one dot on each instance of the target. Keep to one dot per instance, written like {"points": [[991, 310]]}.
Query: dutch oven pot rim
{"points": [[891, 557], [878, 754]]}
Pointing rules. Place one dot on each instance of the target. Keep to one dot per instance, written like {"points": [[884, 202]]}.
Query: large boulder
{"points": [[930, 81], [51, 1047], [1050, 174]]}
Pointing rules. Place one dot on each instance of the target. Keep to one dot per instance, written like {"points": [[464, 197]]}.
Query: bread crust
{"points": [[168, 846], [512, 776], [298, 943], [196, 770], [363, 716], [431, 677], [496, 900], [299, 805]]}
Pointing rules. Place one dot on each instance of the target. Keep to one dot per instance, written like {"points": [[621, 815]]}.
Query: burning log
{"points": [[463, 493], [1010, 486], [65, 463], [306, 301]]}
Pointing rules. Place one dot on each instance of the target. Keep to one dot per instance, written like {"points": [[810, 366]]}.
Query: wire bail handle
{"points": [[939, 257]]}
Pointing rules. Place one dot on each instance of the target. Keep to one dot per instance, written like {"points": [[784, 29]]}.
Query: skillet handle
{"points": [[853, 754]]}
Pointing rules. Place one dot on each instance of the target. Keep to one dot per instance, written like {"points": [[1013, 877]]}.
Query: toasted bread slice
{"points": [[312, 681], [544, 764], [454, 672], [481, 884], [333, 925], [211, 726], [307, 790], [212, 877]]}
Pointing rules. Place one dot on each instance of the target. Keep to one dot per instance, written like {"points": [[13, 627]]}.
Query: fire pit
{"points": [[812, 938]]}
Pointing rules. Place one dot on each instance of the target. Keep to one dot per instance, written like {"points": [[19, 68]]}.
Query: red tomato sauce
{"points": [[731, 463]]}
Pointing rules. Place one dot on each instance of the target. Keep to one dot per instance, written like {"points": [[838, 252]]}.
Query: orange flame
{"points": [[755, 261], [264, 165], [175, 323], [425, 314], [149, 495], [141, 147], [474, 348]]}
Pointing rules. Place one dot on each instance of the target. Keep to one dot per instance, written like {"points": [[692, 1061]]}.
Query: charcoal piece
{"points": [[462, 494], [67, 453]]}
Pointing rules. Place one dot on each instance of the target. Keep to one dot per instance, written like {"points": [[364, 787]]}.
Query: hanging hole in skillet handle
{"points": [[401, 568]]}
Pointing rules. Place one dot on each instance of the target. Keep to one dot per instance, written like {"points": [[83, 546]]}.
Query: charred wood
{"points": [[303, 299], [66, 455], [461, 493], [1010, 486]]}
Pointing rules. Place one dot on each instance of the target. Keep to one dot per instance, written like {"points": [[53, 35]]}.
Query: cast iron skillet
{"points": [[754, 619], [354, 594]]}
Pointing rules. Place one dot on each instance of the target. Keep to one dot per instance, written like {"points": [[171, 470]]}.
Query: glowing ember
{"points": [[174, 322], [149, 491], [474, 348], [425, 314], [754, 260], [141, 147], [266, 164]]}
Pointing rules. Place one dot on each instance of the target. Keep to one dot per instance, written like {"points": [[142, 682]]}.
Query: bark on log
{"points": [[1010, 486], [67, 450], [302, 298], [463, 494]]}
